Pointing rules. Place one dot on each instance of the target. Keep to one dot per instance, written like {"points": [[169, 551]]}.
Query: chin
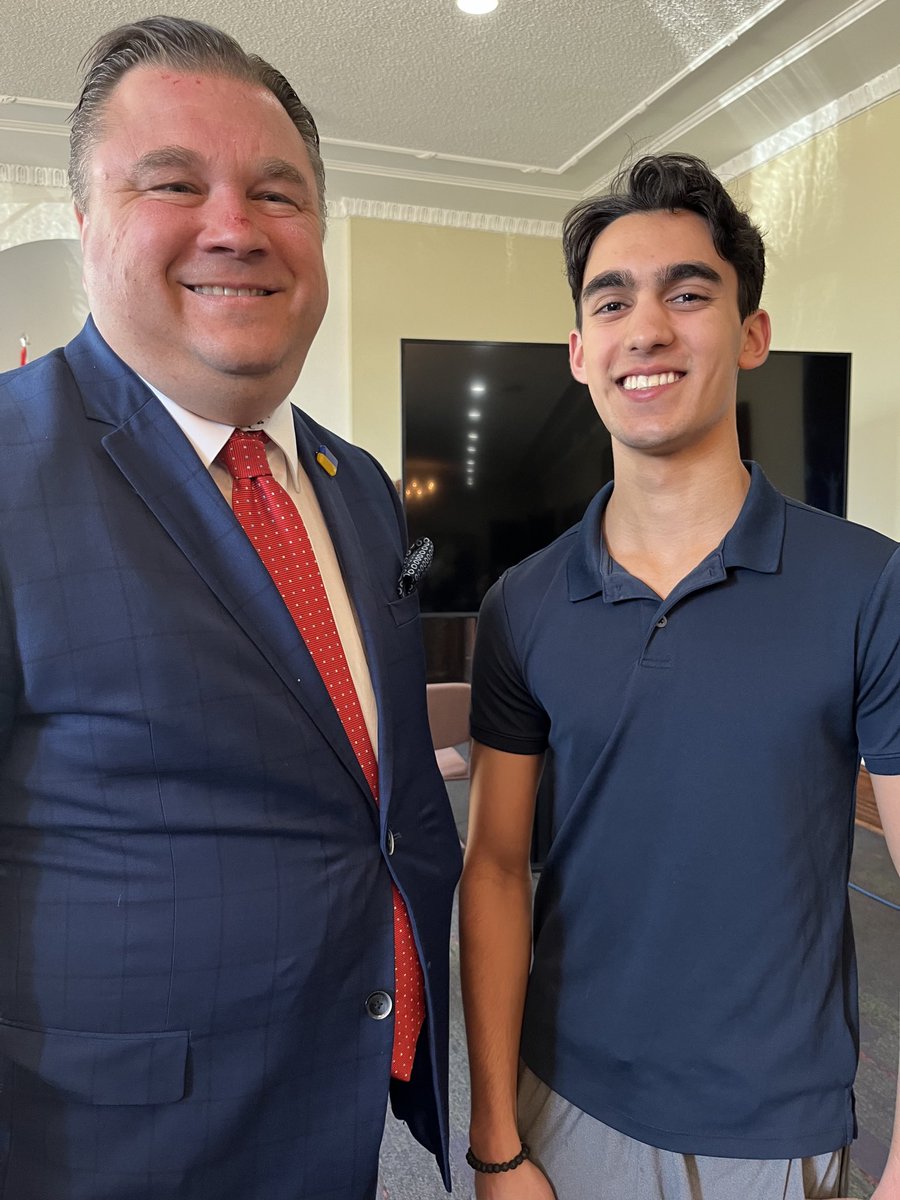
{"points": [[251, 366]]}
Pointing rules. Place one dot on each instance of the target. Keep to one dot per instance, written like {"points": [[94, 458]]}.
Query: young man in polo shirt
{"points": [[707, 660]]}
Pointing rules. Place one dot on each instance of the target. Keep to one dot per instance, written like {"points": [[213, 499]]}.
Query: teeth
{"points": [[632, 383], [227, 291]]}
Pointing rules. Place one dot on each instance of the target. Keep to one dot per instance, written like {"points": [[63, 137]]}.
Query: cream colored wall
{"points": [[418, 281], [829, 212], [323, 389]]}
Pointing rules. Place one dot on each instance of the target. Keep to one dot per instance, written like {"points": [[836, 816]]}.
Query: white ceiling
{"points": [[516, 114]]}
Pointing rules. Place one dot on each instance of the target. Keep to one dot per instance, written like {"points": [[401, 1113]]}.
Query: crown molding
{"points": [[799, 50], [29, 217], [679, 131], [542, 169], [34, 102], [27, 176], [660, 93], [438, 156], [882, 87], [8, 125], [447, 218], [472, 182]]}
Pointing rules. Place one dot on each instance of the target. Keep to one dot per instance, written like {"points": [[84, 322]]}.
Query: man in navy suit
{"points": [[198, 877]]}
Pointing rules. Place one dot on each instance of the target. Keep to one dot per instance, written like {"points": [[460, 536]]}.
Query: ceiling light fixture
{"points": [[476, 8], [477, 388]]}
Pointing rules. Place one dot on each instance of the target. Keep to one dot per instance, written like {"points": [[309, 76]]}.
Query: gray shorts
{"points": [[586, 1160]]}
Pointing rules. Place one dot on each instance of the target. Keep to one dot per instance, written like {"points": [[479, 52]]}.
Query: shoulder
{"points": [[539, 570], [531, 585], [848, 545], [47, 375], [350, 458], [36, 406]]}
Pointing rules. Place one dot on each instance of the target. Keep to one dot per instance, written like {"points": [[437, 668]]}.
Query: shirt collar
{"points": [[208, 437], [754, 541]]}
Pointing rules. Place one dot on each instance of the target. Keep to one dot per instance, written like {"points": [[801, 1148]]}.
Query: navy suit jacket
{"points": [[195, 886]]}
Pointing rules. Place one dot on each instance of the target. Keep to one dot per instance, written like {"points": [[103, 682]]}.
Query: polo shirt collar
{"points": [[589, 564], [754, 541]]}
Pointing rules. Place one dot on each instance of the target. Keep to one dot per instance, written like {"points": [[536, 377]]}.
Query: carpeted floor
{"points": [[408, 1173]]}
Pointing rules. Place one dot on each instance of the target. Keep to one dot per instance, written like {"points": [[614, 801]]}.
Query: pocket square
{"points": [[415, 564]]}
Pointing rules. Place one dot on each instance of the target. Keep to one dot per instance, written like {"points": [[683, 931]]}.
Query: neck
{"points": [[226, 406], [666, 514]]}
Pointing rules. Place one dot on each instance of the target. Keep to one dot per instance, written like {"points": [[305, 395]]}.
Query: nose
{"points": [[231, 225], [648, 326]]}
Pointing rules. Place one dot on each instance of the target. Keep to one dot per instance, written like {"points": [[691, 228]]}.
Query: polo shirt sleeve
{"points": [[505, 715], [878, 703]]}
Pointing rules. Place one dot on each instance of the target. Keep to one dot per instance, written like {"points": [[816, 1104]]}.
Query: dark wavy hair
{"points": [[181, 45], [668, 183]]}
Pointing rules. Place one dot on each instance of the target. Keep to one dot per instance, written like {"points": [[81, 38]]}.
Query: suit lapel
{"points": [[161, 466], [368, 603]]}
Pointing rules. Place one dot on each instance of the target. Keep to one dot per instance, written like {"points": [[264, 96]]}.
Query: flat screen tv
{"points": [[503, 450]]}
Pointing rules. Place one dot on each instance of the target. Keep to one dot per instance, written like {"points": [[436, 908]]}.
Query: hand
{"points": [[526, 1182], [889, 1188]]}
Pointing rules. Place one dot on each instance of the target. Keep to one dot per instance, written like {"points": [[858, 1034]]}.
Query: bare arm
{"points": [[887, 797], [495, 944]]}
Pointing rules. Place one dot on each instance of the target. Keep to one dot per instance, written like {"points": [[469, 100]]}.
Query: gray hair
{"points": [[181, 45]]}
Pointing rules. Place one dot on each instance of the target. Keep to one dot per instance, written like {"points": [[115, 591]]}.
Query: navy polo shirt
{"points": [[694, 979]]}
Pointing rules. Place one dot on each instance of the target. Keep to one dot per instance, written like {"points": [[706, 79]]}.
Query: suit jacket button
{"points": [[379, 1005], [389, 843]]}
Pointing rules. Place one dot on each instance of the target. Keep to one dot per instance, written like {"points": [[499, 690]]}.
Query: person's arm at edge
{"points": [[887, 797], [495, 952]]}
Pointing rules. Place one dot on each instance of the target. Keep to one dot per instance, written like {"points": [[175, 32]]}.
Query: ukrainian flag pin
{"points": [[326, 460]]}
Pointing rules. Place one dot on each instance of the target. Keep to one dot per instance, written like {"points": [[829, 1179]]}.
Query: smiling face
{"points": [[202, 242], [661, 338]]}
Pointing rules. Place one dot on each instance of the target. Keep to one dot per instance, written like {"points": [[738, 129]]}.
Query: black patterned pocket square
{"points": [[417, 561]]}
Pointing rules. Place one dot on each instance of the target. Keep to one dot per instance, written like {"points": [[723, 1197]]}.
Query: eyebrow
{"points": [[280, 168], [179, 158], [608, 279], [165, 157], [679, 272], [665, 277]]}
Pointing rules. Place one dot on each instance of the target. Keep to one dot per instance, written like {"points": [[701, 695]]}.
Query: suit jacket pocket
{"points": [[98, 1068], [404, 610]]}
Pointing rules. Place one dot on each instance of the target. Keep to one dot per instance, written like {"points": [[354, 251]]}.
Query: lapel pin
{"points": [[326, 460]]}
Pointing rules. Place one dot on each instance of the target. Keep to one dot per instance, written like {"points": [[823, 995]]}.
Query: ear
{"points": [[81, 218], [576, 356], [756, 336]]}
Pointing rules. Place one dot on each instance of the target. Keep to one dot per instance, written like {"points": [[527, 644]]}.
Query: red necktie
{"points": [[271, 521]]}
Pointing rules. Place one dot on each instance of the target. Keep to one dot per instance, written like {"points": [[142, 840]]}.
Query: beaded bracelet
{"points": [[488, 1168]]}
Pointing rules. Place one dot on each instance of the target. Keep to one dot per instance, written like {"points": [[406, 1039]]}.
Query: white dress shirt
{"points": [[208, 439]]}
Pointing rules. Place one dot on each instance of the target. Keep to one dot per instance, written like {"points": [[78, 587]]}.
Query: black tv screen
{"points": [[503, 450]]}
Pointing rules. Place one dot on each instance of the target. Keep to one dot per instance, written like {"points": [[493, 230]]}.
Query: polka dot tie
{"points": [[271, 521]]}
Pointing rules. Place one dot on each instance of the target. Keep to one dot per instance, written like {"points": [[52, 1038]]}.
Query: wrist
{"points": [[494, 1136], [498, 1167], [495, 1145]]}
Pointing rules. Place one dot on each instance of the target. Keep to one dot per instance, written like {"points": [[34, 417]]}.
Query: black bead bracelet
{"points": [[487, 1168]]}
